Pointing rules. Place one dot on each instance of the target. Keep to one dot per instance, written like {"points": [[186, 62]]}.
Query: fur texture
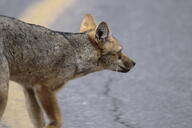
{"points": [[43, 60]]}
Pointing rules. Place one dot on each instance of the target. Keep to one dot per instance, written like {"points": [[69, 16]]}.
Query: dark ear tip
{"points": [[103, 23], [102, 31]]}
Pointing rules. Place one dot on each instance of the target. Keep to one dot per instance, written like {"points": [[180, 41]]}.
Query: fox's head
{"points": [[111, 57]]}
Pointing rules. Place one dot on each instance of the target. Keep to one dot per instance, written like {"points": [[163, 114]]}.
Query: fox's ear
{"points": [[102, 31], [88, 23]]}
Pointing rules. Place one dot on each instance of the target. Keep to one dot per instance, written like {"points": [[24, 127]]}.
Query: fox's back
{"points": [[33, 50]]}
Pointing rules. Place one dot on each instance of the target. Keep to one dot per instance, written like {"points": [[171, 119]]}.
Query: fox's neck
{"points": [[87, 54]]}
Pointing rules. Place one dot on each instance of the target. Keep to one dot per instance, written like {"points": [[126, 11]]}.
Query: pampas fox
{"points": [[43, 60]]}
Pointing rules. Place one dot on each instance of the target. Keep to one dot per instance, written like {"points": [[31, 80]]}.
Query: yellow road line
{"points": [[46, 12], [16, 115], [43, 13]]}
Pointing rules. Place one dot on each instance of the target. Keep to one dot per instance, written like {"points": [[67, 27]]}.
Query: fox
{"points": [[42, 61]]}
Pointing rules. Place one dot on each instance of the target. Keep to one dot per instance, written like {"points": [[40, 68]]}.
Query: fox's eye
{"points": [[119, 57]]}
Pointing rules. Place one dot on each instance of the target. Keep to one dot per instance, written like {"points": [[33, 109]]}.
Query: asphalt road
{"points": [[157, 93]]}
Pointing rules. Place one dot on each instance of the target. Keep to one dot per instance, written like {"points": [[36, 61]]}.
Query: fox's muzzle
{"points": [[128, 64], [128, 67]]}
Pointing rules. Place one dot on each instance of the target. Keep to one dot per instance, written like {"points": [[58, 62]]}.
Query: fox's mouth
{"points": [[124, 69]]}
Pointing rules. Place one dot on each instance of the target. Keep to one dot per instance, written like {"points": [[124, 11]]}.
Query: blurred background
{"points": [[157, 93]]}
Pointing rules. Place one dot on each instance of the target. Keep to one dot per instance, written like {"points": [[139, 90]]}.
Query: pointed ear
{"points": [[102, 31], [88, 23]]}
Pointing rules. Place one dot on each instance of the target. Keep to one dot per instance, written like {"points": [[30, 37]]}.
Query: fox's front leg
{"points": [[49, 103]]}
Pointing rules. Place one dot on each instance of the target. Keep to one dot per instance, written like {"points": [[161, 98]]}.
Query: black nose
{"points": [[133, 63]]}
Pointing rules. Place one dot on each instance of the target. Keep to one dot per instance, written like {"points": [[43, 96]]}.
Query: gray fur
{"points": [[43, 60], [37, 55]]}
